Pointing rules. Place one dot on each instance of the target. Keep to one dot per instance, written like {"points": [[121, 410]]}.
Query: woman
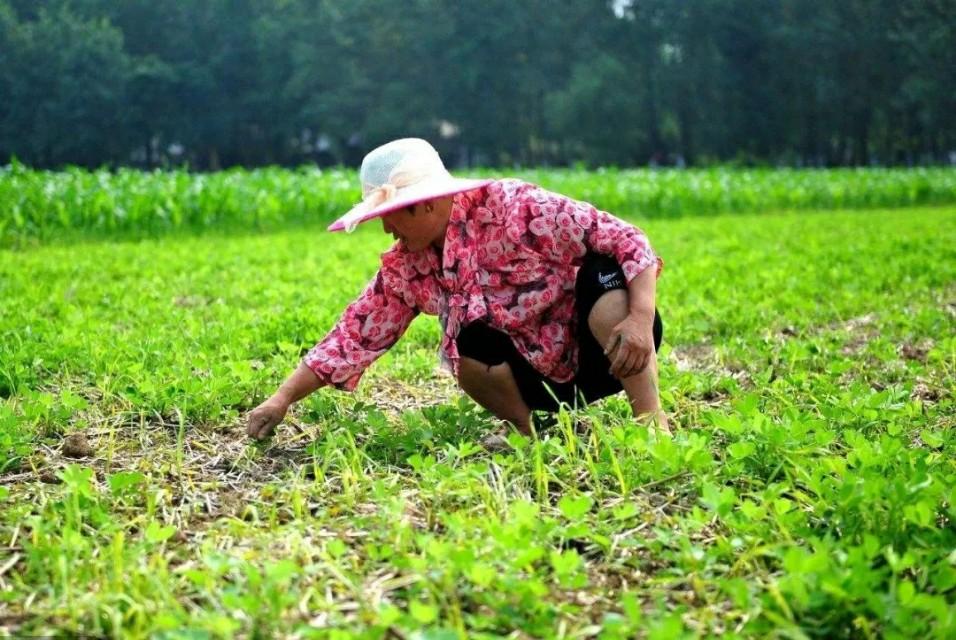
{"points": [[541, 298]]}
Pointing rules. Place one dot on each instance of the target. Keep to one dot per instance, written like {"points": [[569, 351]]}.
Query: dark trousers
{"points": [[598, 275]]}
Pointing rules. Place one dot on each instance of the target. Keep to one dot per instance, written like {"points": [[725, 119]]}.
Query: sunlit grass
{"points": [[808, 491]]}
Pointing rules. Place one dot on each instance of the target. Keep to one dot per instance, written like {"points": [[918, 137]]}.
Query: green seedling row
{"points": [[41, 205]]}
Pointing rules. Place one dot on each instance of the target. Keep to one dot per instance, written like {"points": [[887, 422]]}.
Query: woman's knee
{"points": [[613, 307], [608, 310]]}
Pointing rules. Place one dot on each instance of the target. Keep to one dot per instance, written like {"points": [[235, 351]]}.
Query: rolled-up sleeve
{"points": [[565, 230], [368, 327]]}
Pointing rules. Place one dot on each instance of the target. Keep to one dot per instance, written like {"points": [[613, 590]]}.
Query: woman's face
{"points": [[417, 226]]}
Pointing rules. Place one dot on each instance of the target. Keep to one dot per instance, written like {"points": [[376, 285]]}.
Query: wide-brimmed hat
{"points": [[399, 174]]}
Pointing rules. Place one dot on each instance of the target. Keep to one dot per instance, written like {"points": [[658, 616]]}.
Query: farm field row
{"points": [[809, 489], [37, 206]]}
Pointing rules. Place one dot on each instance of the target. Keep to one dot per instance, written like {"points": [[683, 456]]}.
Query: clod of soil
{"points": [[77, 446], [922, 391], [48, 477], [914, 352]]}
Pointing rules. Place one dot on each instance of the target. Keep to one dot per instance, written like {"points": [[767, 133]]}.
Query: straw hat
{"points": [[399, 174]]}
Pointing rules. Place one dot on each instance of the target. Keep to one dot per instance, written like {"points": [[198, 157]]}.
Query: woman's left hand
{"points": [[629, 347]]}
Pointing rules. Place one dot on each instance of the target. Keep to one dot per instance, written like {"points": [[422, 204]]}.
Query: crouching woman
{"points": [[542, 299]]}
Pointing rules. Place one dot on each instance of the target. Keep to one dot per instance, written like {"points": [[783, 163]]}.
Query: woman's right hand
{"points": [[262, 421]]}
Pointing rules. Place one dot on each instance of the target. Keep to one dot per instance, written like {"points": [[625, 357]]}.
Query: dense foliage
{"points": [[217, 83], [808, 490], [39, 205]]}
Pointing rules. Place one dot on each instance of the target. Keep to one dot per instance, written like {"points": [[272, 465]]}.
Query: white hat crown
{"points": [[401, 163]]}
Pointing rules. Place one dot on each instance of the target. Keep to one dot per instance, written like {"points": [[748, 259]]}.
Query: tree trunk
{"points": [[863, 139]]}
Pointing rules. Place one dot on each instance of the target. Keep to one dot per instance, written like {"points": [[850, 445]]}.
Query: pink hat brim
{"points": [[456, 185]]}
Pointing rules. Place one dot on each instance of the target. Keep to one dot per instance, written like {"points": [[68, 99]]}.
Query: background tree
{"points": [[216, 83], [65, 88]]}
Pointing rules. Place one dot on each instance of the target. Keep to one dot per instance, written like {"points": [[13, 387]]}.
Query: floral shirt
{"points": [[510, 259]]}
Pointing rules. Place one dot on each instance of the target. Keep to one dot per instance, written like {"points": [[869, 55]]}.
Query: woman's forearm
{"points": [[641, 291], [301, 383]]}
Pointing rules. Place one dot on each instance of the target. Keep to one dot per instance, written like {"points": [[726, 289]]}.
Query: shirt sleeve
{"points": [[369, 326], [564, 230]]}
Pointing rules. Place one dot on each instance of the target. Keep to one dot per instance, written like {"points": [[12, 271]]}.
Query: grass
{"points": [[808, 491]]}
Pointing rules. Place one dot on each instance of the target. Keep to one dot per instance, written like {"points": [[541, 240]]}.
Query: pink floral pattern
{"points": [[510, 259]]}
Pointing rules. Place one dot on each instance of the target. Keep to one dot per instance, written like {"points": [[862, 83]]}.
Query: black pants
{"points": [[598, 275]]}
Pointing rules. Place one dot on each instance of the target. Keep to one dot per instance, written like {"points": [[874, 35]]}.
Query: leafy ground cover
{"points": [[36, 206], [808, 491]]}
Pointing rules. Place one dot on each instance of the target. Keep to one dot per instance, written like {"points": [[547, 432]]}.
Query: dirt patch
{"points": [[695, 357], [918, 352], [211, 469], [194, 301], [76, 446], [48, 477], [789, 331], [861, 330], [704, 358], [926, 391], [394, 396], [857, 323], [207, 472]]}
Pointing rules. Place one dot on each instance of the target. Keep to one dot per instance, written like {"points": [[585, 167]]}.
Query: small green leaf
{"points": [[782, 505], [625, 511], [752, 510], [740, 450], [424, 613], [631, 607], [524, 511], [575, 508], [281, 571], [481, 574], [920, 513], [565, 562], [222, 625], [436, 634], [528, 556], [931, 438], [336, 548], [78, 479], [123, 480], [388, 614], [155, 532], [905, 592]]}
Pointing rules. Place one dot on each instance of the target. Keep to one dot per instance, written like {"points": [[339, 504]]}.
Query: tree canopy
{"points": [[217, 83]]}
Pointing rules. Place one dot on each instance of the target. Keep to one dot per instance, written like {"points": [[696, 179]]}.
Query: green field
{"points": [[42, 205], [809, 489]]}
